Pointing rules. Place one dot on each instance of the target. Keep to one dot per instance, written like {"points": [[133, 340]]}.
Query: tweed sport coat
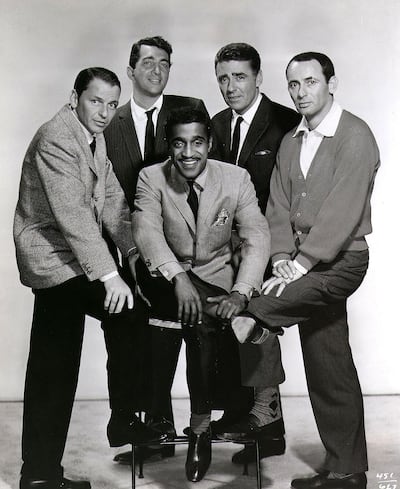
{"points": [[271, 122], [123, 146], [65, 197], [165, 229]]}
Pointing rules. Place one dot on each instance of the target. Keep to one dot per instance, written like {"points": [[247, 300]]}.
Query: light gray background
{"points": [[44, 43]]}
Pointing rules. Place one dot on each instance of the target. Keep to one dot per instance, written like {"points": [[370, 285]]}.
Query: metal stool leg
{"points": [[133, 468], [258, 465]]}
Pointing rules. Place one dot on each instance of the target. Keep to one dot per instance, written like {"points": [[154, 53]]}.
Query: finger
{"points": [[185, 313], [180, 311], [107, 300], [270, 286], [120, 303], [199, 311], [267, 283], [292, 267], [130, 301], [281, 287], [113, 303], [215, 299], [233, 309]]}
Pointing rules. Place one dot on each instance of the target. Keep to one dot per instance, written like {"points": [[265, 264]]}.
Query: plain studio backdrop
{"points": [[45, 43]]}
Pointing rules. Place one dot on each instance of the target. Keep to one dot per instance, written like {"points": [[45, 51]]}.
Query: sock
{"points": [[267, 406], [199, 423]]}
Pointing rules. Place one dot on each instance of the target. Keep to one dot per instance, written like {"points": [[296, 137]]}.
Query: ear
{"points": [[129, 72], [333, 84], [73, 99], [259, 78], [210, 142]]}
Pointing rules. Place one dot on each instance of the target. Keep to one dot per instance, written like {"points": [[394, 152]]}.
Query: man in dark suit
{"points": [[68, 192], [248, 134], [135, 139]]}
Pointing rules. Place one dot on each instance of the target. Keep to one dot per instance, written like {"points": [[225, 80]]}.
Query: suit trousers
{"points": [[53, 366], [212, 356], [317, 303]]}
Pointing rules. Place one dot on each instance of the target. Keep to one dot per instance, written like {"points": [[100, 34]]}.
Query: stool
{"points": [[184, 440]]}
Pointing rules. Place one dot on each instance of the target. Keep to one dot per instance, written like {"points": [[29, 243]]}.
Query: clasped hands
{"points": [[190, 308], [284, 272]]}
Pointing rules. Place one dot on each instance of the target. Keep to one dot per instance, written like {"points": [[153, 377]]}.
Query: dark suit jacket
{"points": [[271, 122], [123, 147]]}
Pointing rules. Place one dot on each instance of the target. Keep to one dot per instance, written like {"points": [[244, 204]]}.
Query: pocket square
{"points": [[222, 218], [263, 152]]}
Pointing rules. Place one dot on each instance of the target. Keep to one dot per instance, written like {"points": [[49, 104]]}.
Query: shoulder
{"points": [[227, 170], [222, 116], [351, 124], [155, 172], [284, 116], [57, 129]]}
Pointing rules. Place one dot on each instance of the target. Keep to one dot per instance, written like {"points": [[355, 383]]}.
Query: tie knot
{"points": [[239, 120], [190, 183], [93, 145], [149, 113]]}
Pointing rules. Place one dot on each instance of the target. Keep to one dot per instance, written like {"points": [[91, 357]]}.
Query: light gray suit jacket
{"points": [[65, 197], [165, 229]]}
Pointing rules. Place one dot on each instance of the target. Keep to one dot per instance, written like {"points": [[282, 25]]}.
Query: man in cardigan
{"points": [[319, 212], [135, 139], [248, 134], [68, 192]]}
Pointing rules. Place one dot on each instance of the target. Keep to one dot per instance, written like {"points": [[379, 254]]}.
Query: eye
{"points": [[147, 63], [164, 65], [113, 105], [311, 82], [177, 144], [240, 77], [198, 142], [94, 101], [292, 85], [223, 79]]}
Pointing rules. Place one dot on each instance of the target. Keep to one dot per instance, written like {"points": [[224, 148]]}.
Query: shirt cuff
{"points": [[108, 276], [243, 289], [300, 267], [170, 269]]}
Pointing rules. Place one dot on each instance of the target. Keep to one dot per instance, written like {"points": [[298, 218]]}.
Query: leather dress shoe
{"points": [[247, 428], [122, 431], [217, 427], [161, 425], [53, 484], [268, 448], [198, 456], [321, 481], [146, 453]]}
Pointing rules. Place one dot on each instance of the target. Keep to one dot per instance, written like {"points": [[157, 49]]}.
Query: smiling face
{"points": [[96, 105], [189, 146], [150, 74], [309, 90], [238, 83]]}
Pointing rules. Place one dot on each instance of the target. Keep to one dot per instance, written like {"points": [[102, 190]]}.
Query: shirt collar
{"points": [[327, 127], [248, 116], [140, 112], [89, 137], [199, 181]]}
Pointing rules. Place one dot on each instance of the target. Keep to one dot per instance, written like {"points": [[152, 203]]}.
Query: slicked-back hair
{"points": [[186, 115], [239, 51], [88, 74], [156, 41], [328, 69]]}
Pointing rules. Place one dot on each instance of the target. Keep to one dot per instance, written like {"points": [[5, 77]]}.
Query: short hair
{"points": [[187, 115], [328, 69], [239, 51], [88, 74], [156, 41]]}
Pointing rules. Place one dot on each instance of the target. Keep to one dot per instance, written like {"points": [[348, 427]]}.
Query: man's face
{"points": [[151, 72], [310, 92], [238, 84], [96, 105], [189, 146]]}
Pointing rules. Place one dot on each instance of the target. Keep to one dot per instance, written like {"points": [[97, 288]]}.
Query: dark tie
{"points": [[235, 140], [149, 138], [192, 199], [93, 146]]}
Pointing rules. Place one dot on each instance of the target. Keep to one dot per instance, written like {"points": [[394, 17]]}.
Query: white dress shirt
{"points": [[248, 117], [140, 119]]}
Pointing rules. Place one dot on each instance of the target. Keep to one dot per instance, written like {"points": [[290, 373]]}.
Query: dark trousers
{"points": [[53, 366], [317, 302], [212, 355]]}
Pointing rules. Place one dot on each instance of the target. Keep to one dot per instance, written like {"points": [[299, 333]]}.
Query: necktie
{"points": [[149, 138], [192, 199], [93, 146], [235, 141]]}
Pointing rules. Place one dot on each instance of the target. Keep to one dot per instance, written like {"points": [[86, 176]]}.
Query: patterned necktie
{"points": [[149, 140], [192, 199], [93, 146], [235, 141]]}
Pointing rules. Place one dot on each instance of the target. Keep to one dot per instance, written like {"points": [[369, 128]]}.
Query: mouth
{"points": [[189, 162], [234, 98], [100, 123], [304, 105], [155, 81]]}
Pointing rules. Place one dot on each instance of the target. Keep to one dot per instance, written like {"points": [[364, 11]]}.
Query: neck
{"points": [[315, 121], [145, 101], [250, 105]]}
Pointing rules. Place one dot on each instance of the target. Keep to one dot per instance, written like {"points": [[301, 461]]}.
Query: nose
{"points": [[157, 69], [187, 150], [231, 85], [302, 91], [103, 111]]}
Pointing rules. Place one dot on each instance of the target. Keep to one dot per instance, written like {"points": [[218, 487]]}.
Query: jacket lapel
{"points": [[257, 128], [74, 126], [209, 195], [226, 135], [178, 195], [128, 132]]}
